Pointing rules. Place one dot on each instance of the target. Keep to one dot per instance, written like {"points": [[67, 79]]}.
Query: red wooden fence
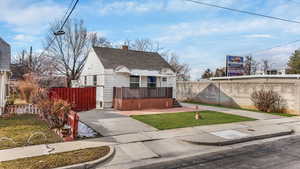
{"points": [[82, 99]]}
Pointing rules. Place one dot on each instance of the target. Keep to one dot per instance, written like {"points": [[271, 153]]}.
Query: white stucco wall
{"points": [[237, 92]]}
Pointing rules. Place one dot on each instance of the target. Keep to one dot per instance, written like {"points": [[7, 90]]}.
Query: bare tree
{"points": [[220, 72], [182, 70], [254, 66], [100, 41], [70, 50], [265, 66], [250, 66], [26, 63], [144, 45], [207, 74]]}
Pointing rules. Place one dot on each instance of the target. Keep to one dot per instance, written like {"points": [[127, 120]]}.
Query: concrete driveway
{"points": [[111, 123]]}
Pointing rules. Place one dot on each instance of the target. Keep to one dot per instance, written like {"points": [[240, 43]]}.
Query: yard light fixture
{"points": [[59, 33]]}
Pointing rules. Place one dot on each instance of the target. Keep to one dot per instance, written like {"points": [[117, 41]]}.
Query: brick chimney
{"points": [[125, 47]]}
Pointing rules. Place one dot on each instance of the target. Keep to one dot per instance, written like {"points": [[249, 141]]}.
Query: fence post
{"points": [[75, 130]]}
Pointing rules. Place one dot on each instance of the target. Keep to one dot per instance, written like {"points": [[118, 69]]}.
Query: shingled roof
{"points": [[112, 58]]}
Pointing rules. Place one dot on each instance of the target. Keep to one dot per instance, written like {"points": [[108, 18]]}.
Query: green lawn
{"points": [[21, 127], [187, 119], [57, 160], [239, 108]]}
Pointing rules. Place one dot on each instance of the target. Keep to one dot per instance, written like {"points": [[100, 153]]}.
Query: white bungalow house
{"points": [[128, 79], [4, 72]]}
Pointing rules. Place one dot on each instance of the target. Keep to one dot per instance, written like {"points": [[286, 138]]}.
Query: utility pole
{"points": [[226, 68], [30, 59], [250, 64], [22, 57]]}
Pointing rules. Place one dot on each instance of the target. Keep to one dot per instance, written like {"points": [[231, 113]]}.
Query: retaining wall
{"points": [[237, 92]]}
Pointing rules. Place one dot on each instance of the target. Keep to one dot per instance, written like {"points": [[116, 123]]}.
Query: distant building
{"points": [[5, 56], [271, 72]]}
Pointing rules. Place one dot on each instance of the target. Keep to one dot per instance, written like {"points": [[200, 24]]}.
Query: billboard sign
{"points": [[235, 65]]}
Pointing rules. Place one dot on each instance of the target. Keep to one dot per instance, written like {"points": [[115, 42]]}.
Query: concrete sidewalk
{"points": [[153, 146]]}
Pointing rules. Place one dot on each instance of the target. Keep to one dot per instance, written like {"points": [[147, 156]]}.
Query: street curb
{"points": [[91, 164], [241, 140]]}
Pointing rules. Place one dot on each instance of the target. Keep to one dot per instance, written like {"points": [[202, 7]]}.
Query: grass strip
{"points": [[20, 127], [239, 108], [57, 160], [187, 119]]}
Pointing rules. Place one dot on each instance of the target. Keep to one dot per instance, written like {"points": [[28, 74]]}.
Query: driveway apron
{"points": [[111, 123]]}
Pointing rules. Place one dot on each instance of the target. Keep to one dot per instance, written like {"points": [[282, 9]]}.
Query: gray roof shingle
{"points": [[112, 57], [5, 55]]}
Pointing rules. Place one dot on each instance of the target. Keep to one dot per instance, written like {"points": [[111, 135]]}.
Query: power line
{"points": [[62, 26], [256, 14], [277, 46], [243, 11], [67, 11], [67, 18]]}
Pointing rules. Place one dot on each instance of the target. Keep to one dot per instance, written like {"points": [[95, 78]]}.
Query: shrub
{"points": [[26, 88], [53, 111], [268, 101]]}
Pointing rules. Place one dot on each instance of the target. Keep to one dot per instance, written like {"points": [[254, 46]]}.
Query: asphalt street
{"points": [[280, 154]]}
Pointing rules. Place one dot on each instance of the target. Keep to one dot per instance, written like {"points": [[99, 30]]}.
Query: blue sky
{"points": [[201, 36]]}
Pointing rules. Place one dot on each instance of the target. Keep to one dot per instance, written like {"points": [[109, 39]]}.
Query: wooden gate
{"points": [[82, 99]]}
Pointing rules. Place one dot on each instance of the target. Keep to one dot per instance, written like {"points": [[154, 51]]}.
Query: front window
{"points": [[134, 81], [151, 82], [95, 80], [85, 80]]}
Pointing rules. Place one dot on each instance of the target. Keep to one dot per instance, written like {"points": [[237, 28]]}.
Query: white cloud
{"points": [[181, 31], [121, 7], [278, 57], [29, 17], [182, 5], [23, 38], [100, 33], [258, 36], [143, 6]]}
